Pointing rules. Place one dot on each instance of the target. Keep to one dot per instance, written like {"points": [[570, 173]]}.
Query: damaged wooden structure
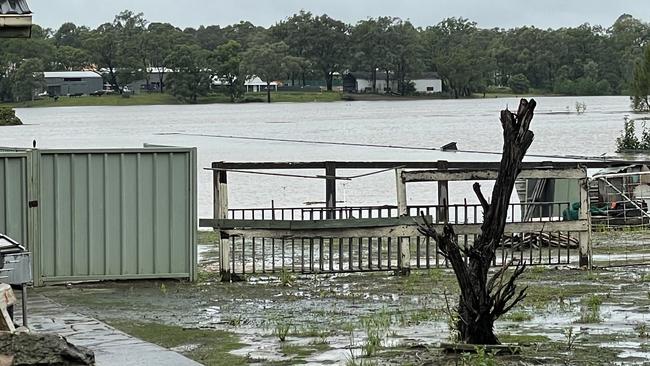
{"points": [[332, 239]]}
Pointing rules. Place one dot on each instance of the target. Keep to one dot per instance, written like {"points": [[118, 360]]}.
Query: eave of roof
{"points": [[15, 7]]}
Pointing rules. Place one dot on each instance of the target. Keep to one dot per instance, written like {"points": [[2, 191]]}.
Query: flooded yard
{"points": [[570, 316]]}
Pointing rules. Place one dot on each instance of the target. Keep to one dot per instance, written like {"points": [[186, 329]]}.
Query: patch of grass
{"points": [[281, 330], [590, 310], [212, 346], [297, 97], [376, 327], [518, 316], [480, 358], [286, 278], [523, 339], [642, 330], [300, 352], [207, 237]]}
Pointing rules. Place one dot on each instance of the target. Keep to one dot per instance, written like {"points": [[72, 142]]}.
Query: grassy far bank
{"points": [[276, 97], [167, 99]]}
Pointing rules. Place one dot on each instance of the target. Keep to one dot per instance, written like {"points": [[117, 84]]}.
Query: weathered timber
{"points": [[489, 174], [482, 301], [358, 165], [385, 227]]}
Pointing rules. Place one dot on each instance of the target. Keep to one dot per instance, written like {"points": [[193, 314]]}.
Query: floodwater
{"points": [[472, 123]]}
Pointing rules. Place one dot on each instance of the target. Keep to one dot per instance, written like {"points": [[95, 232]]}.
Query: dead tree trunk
{"points": [[482, 300]]}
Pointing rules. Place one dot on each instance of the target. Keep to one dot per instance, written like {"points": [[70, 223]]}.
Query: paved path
{"points": [[111, 346]]}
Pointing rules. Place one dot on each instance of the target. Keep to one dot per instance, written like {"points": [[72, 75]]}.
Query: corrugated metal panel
{"points": [[13, 196], [125, 214]]}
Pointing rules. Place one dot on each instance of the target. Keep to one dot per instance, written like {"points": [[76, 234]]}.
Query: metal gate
{"points": [[102, 214]]}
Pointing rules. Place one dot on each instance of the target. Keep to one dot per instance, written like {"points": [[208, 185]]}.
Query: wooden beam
{"points": [[585, 236], [481, 165], [400, 187], [443, 194], [220, 212], [330, 188], [388, 227], [310, 224], [490, 174]]}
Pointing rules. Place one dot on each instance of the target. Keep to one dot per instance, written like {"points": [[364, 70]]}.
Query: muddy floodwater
{"points": [[570, 316], [474, 124]]}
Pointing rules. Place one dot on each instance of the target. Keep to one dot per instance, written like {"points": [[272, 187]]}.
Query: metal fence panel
{"points": [[13, 196], [117, 214]]}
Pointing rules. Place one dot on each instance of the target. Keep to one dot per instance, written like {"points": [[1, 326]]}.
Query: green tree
{"points": [[70, 58], [228, 61], [162, 40], [321, 40], [461, 53], [519, 84], [28, 80], [371, 45], [641, 84], [190, 78], [267, 61]]}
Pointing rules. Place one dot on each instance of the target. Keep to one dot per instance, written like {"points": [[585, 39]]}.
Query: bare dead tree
{"points": [[482, 300]]}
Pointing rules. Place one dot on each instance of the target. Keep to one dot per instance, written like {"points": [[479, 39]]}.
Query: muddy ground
{"points": [[570, 317]]}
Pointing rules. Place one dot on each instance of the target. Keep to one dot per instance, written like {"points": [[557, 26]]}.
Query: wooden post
{"points": [[585, 236], [443, 195], [220, 208], [402, 210], [330, 189]]}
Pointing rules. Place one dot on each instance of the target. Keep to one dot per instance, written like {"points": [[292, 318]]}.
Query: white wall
{"points": [[421, 85]]}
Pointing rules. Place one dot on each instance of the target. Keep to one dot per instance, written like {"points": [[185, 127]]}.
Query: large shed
{"points": [[72, 82]]}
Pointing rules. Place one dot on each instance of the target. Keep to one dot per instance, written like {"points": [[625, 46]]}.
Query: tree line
{"points": [[583, 60]]}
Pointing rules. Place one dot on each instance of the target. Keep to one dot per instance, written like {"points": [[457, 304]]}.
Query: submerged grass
{"points": [[209, 347]]}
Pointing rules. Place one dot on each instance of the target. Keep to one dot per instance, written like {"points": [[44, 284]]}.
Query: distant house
{"points": [[72, 82], [257, 85], [15, 19], [361, 82]]}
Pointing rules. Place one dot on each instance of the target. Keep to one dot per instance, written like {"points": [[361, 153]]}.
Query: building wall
{"points": [[428, 85], [64, 86]]}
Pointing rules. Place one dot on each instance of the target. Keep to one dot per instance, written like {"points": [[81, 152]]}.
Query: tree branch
{"points": [[481, 198]]}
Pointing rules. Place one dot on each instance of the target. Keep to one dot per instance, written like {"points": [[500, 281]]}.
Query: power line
{"points": [[380, 146]]}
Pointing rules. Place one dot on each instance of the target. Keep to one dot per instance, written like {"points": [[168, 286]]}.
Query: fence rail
{"points": [[251, 255], [457, 213]]}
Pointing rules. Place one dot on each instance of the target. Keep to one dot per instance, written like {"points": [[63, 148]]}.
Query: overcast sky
{"points": [[487, 13]]}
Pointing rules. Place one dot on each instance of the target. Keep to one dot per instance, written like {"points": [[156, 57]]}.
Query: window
{"points": [[71, 79], [429, 88]]}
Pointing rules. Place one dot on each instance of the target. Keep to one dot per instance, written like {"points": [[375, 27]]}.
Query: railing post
{"points": [[404, 244], [402, 208], [585, 252], [443, 195], [330, 189], [220, 209]]}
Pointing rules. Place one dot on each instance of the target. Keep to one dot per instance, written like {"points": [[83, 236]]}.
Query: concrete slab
{"points": [[111, 346]]}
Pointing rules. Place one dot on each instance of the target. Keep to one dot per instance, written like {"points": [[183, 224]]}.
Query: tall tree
{"points": [[323, 41], [228, 59], [641, 84], [162, 40], [267, 61], [190, 78], [27, 80]]}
